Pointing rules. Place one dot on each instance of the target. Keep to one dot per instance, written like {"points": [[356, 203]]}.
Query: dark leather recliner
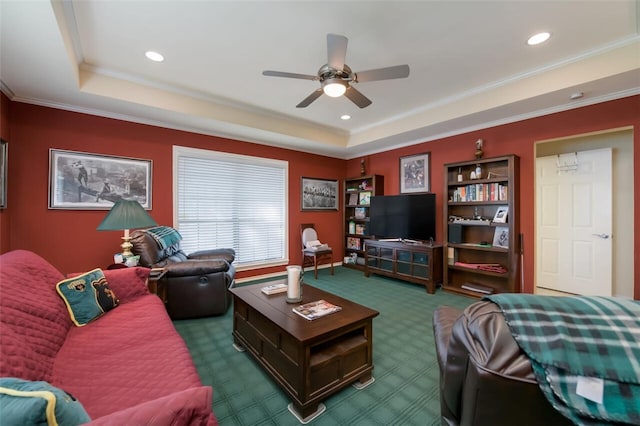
{"points": [[195, 285], [485, 379]]}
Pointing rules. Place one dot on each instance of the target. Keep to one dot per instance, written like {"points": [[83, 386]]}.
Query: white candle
{"points": [[293, 282]]}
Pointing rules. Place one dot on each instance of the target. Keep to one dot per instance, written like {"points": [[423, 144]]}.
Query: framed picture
{"points": [[501, 214], [414, 173], [319, 194], [501, 237], [83, 181], [364, 198], [3, 173]]}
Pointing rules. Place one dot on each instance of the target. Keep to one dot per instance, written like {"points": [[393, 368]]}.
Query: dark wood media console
{"points": [[419, 263]]}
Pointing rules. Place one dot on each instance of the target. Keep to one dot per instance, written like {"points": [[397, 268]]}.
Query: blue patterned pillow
{"points": [[87, 296], [23, 402]]}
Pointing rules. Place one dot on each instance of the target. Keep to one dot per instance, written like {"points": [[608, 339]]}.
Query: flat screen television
{"points": [[405, 216]]}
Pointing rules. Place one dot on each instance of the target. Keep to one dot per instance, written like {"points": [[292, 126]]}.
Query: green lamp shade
{"points": [[126, 214]]}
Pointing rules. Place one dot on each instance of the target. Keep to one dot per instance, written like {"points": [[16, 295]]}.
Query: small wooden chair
{"points": [[310, 256]]}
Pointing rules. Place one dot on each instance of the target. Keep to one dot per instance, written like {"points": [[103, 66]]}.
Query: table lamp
{"points": [[126, 215]]}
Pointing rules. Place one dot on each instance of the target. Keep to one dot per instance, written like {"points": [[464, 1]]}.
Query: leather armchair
{"points": [[195, 285], [485, 379]]}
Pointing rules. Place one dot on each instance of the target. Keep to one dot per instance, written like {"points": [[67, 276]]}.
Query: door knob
{"points": [[603, 236]]}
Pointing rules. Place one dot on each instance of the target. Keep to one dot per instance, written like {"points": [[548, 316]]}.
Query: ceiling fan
{"points": [[336, 78]]}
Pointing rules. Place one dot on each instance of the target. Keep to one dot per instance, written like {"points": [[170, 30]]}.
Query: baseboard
{"points": [[282, 274]]}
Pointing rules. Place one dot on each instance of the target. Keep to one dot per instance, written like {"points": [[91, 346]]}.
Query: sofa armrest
{"points": [[443, 319], [484, 362], [195, 267], [188, 407], [127, 283], [222, 254]]}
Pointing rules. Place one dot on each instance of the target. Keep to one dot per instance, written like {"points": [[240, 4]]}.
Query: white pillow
{"points": [[313, 243]]}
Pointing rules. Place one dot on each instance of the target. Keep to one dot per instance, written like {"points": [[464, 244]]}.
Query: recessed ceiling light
{"points": [[538, 38], [154, 56], [345, 117]]}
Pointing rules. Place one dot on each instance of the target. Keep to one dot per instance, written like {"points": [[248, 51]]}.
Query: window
{"points": [[229, 200]]}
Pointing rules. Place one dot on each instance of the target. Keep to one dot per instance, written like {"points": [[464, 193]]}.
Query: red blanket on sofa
{"points": [[130, 366]]}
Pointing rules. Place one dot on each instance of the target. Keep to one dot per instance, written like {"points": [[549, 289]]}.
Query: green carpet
{"points": [[405, 391]]}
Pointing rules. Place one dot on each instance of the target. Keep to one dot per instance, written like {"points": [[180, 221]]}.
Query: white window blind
{"points": [[228, 200]]}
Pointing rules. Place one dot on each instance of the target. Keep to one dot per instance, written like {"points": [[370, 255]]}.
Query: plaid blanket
{"points": [[585, 352], [165, 236]]}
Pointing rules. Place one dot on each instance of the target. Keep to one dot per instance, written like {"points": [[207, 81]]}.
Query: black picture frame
{"points": [[4, 152], [86, 181], [415, 173], [318, 194]]}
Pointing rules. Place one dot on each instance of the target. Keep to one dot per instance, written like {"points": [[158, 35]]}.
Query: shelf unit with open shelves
{"points": [[358, 192], [482, 233]]}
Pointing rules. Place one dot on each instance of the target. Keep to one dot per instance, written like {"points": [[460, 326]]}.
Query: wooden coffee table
{"points": [[310, 360]]}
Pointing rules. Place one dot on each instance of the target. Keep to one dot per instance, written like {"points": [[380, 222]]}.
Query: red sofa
{"points": [[129, 366]]}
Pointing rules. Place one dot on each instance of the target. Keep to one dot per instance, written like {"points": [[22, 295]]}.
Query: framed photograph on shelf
{"points": [[501, 214], [365, 198], [414, 173], [501, 237], [319, 194], [3, 173], [83, 181]]}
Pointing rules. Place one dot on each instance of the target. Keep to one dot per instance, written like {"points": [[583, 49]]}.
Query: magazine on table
{"points": [[317, 309]]}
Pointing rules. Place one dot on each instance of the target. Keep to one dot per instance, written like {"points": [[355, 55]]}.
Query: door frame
{"points": [[621, 142]]}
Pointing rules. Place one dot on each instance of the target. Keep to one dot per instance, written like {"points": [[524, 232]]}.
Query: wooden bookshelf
{"points": [[482, 232], [357, 194]]}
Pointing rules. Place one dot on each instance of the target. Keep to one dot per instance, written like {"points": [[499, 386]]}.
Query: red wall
{"points": [[68, 238], [517, 138]]}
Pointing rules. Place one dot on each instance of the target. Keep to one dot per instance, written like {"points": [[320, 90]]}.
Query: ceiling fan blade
{"points": [[312, 97], [357, 98], [336, 51], [289, 75], [398, 71]]}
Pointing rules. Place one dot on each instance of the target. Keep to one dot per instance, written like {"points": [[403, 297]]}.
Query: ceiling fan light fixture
{"points": [[334, 87]]}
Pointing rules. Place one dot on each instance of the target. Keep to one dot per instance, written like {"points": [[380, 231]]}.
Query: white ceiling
{"points": [[470, 65]]}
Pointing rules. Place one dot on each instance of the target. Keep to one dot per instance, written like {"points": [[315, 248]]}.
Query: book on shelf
{"points": [[365, 198], [361, 229], [360, 213], [478, 288], [452, 256], [317, 309], [494, 175], [480, 192], [274, 288], [487, 267], [353, 199]]}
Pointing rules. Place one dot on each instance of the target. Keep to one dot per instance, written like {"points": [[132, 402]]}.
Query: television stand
{"points": [[412, 262], [408, 241]]}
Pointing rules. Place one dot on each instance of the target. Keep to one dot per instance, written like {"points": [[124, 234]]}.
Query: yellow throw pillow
{"points": [[87, 296]]}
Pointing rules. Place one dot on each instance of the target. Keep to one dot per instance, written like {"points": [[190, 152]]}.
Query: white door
{"points": [[574, 222]]}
